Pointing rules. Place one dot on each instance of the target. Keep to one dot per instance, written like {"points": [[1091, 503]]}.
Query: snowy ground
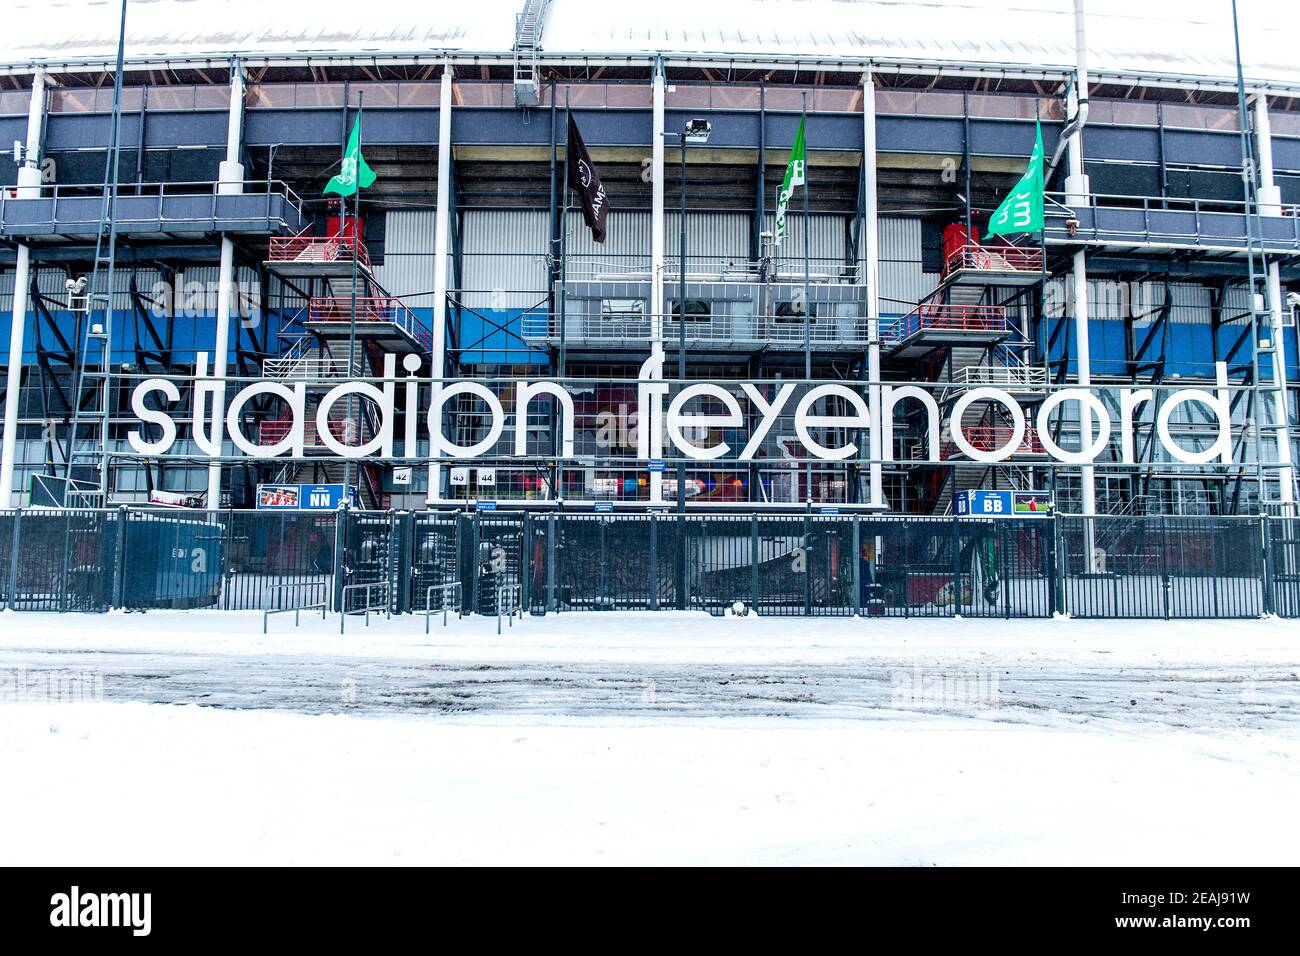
{"points": [[658, 738]]}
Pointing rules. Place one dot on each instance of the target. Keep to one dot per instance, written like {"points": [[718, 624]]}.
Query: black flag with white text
{"points": [[584, 178]]}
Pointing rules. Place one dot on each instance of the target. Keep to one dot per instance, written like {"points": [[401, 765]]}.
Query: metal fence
{"points": [[774, 565]]}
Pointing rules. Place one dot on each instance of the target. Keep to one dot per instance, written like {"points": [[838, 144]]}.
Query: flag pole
{"points": [[807, 305], [343, 155], [352, 310], [564, 239]]}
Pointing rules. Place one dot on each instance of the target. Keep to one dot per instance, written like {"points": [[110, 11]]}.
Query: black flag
{"points": [[584, 178]]}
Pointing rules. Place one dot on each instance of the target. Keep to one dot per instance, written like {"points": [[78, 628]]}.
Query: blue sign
{"points": [[829, 511], [1002, 504], [486, 506], [304, 497], [603, 507], [655, 466]]}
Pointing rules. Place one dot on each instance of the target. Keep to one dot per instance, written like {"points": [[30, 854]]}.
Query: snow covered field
{"points": [[648, 738]]}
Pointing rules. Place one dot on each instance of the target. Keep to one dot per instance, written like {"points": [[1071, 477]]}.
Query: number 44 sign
{"points": [[1003, 504]]}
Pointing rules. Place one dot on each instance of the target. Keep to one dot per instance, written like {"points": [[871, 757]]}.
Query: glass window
{"points": [[622, 310]]}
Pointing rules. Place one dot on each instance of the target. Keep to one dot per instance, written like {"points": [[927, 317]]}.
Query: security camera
{"points": [[76, 286], [1293, 299]]}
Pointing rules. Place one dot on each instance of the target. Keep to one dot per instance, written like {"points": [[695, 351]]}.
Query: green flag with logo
{"points": [[1022, 210], [354, 170], [794, 176]]}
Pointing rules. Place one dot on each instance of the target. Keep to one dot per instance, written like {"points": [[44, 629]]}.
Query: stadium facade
{"points": [[194, 323]]}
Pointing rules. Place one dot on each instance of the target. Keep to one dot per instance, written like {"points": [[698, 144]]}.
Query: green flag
{"points": [[354, 170], [794, 176], [1022, 210]]}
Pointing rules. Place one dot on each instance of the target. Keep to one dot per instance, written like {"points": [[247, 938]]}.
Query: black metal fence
{"points": [[798, 565]]}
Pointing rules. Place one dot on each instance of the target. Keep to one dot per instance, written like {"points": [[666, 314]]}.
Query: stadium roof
{"points": [[1186, 40]]}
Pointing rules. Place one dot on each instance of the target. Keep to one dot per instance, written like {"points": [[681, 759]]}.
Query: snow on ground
{"points": [[648, 738]]}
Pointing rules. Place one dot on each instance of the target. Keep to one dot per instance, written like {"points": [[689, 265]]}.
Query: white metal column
{"points": [[29, 181], [871, 274], [657, 229], [230, 181], [441, 234], [1078, 193], [1270, 204]]}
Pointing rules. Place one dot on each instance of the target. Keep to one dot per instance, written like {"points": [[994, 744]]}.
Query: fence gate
{"points": [[175, 559], [434, 556], [277, 559], [1164, 566], [368, 553], [496, 560], [1284, 563], [62, 561], [605, 562]]}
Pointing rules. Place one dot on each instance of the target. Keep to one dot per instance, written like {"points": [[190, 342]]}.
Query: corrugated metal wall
{"points": [[903, 282], [408, 256], [504, 258]]}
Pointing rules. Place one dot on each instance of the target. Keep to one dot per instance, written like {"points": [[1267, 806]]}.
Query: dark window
{"points": [[697, 310], [794, 311], [931, 247]]}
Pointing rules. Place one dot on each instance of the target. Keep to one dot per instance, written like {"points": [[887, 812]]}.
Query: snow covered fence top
{"points": [[1187, 39]]}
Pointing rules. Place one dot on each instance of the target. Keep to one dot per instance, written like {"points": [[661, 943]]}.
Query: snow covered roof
{"points": [[1187, 39]]}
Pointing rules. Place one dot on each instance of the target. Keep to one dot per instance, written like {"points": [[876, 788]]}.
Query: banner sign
{"points": [[1002, 504], [304, 497]]}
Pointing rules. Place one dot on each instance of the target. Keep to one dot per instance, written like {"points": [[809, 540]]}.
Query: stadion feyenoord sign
{"points": [[691, 412]]}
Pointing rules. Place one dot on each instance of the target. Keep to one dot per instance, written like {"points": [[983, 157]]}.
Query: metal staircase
{"points": [[528, 38]]}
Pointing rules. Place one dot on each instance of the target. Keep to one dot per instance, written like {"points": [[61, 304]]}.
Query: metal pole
{"points": [[807, 305], [1251, 199], [564, 242], [442, 227], [29, 179], [230, 181], [657, 243], [871, 256], [352, 306], [681, 321], [1078, 194], [1270, 199]]}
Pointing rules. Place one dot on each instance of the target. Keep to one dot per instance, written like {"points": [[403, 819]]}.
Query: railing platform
{"points": [[990, 438], [1136, 222], [933, 325], [721, 333], [162, 211], [326, 257], [999, 265], [381, 319]]}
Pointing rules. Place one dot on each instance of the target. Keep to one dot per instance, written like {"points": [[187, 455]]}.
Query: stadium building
{"points": [[186, 303]]}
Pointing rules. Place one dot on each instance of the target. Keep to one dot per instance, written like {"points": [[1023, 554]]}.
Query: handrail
{"points": [[297, 608], [302, 248], [944, 317], [993, 258], [369, 605], [991, 437], [1164, 203], [1172, 209], [57, 192], [277, 430], [455, 588], [514, 591], [385, 309]]}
